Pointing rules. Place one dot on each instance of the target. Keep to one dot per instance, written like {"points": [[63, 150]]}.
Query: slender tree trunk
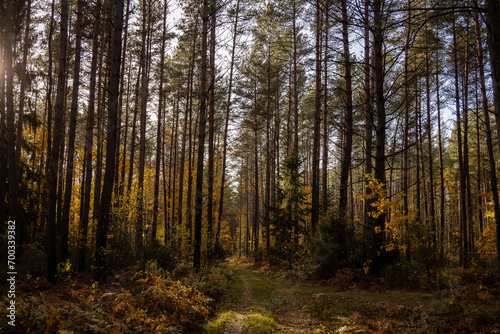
{"points": [[89, 139], [441, 167], [468, 228], [317, 117], [49, 83], [119, 185], [20, 224], [432, 212], [175, 145], [378, 77], [211, 130], [189, 195], [406, 146], [159, 142], [71, 136], [54, 154], [347, 128], [256, 205], [480, 159], [492, 15], [489, 139], [368, 110], [134, 131], [418, 158], [99, 123], [226, 127], [267, 199], [463, 205], [104, 215], [201, 144], [139, 228], [324, 205], [185, 134]]}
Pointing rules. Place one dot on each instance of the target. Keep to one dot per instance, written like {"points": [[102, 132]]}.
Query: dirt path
{"points": [[264, 304]]}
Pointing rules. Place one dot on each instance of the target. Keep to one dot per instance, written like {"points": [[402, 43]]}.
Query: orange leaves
{"points": [[134, 302]]}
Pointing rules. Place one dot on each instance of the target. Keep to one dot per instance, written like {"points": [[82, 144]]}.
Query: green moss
{"points": [[219, 324], [259, 322]]}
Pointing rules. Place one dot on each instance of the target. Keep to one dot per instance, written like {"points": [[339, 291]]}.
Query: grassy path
{"points": [[259, 304], [256, 303]]}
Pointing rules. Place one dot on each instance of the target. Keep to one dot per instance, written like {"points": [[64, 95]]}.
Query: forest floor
{"points": [[237, 296], [260, 302]]}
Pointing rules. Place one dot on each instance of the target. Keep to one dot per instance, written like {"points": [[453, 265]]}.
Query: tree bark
{"points": [[201, 143], [71, 136], [56, 143], [324, 204], [347, 128], [89, 139], [463, 205], [317, 118], [211, 130], [378, 77], [142, 130], [104, 215], [489, 139], [226, 127]]}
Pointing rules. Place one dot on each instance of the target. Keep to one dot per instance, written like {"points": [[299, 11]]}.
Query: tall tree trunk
{"points": [[492, 15], [142, 131], [256, 203], [226, 127], [20, 224], [211, 130], [89, 139], [201, 143], [99, 123], [368, 110], [267, 199], [159, 141], [347, 128], [50, 84], [442, 217], [189, 195], [432, 212], [104, 215], [489, 140], [324, 204], [463, 206], [378, 77], [134, 131], [317, 117], [56, 143], [406, 146], [174, 154], [119, 185], [71, 136], [468, 228]]}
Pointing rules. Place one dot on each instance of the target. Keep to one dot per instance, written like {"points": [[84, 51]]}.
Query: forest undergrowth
{"points": [[239, 296]]}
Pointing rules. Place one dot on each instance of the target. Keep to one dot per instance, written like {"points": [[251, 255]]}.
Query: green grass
{"points": [[259, 322], [218, 325]]}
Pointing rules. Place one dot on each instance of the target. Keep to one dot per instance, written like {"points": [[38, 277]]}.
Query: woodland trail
{"points": [[261, 304]]}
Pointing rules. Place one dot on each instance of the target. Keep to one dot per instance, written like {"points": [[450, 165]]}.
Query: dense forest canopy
{"points": [[262, 128]]}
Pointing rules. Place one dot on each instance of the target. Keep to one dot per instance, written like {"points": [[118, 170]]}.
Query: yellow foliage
{"points": [[486, 245], [391, 207]]}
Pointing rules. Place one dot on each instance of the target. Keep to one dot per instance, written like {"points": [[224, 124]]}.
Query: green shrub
{"points": [[163, 255]]}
